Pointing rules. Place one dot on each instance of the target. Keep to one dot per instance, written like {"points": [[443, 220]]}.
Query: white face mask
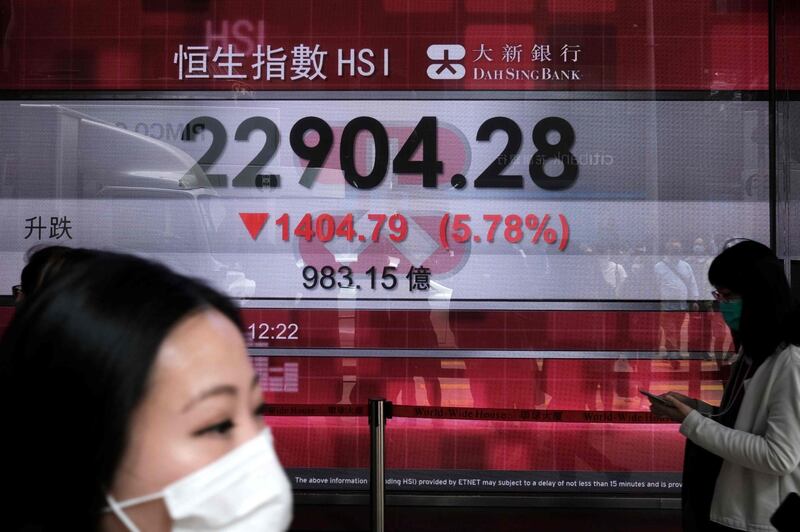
{"points": [[245, 490]]}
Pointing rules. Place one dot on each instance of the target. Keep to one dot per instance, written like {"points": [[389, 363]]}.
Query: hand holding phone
{"points": [[656, 399], [785, 518]]}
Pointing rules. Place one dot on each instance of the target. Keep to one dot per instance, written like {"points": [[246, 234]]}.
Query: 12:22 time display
{"points": [[278, 331]]}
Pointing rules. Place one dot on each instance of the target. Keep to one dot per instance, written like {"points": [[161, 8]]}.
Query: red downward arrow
{"points": [[254, 222]]}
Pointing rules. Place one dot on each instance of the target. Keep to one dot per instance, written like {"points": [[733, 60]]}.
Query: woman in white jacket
{"points": [[756, 429]]}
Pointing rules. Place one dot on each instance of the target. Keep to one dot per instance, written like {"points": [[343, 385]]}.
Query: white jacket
{"points": [[761, 454]]}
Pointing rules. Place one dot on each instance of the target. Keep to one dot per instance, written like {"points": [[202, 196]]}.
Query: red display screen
{"points": [[446, 204]]}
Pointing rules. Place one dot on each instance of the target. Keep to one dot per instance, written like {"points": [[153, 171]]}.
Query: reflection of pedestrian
{"points": [[676, 284], [640, 280], [607, 276], [713, 331], [598, 373], [391, 377], [614, 275], [700, 260], [699, 324]]}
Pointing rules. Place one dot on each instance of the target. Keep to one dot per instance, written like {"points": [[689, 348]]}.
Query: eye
{"points": [[261, 411], [218, 428]]}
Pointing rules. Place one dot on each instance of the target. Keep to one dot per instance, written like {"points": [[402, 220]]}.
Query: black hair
{"points": [[38, 261], [753, 271], [45, 263], [74, 364]]}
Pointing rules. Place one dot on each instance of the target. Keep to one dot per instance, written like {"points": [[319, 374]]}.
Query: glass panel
{"points": [[507, 205]]}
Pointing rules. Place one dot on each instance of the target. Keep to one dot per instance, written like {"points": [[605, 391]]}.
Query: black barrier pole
{"points": [[379, 411]]}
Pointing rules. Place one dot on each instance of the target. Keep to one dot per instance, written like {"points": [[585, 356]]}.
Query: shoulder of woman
{"points": [[787, 357], [792, 353]]}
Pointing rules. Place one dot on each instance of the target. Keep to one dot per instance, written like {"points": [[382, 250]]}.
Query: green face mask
{"points": [[731, 312]]}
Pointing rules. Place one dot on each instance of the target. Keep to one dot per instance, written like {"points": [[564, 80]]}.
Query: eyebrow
{"points": [[222, 389]]}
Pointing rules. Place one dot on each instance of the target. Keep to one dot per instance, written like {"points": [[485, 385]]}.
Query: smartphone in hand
{"points": [[788, 514], [656, 399]]}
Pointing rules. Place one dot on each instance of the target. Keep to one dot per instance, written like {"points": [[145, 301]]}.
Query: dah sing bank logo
{"points": [[445, 59], [514, 61]]}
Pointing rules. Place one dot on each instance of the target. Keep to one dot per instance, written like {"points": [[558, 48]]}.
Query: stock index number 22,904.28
{"points": [[423, 138]]}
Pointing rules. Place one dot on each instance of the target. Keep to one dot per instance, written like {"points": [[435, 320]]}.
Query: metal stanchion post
{"points": [[379, 411]]}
